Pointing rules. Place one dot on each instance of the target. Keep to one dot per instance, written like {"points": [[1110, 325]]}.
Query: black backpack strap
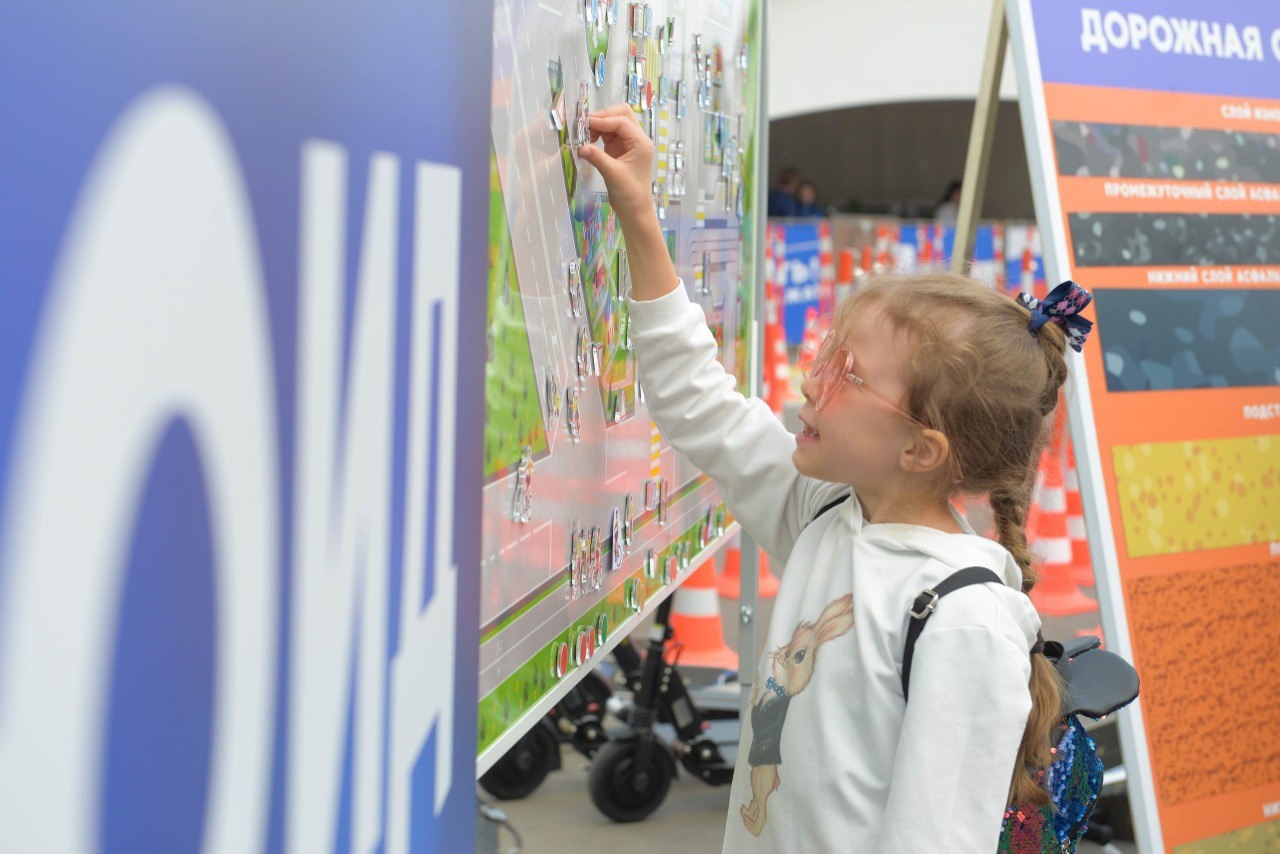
{"points": [[924, 604], [825, 507]]}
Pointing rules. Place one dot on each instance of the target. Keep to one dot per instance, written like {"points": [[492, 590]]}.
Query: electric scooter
{"points": [[630, 776], [575, 720]]}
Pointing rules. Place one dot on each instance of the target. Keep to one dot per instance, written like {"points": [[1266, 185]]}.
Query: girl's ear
{"points": [[929, 452]]}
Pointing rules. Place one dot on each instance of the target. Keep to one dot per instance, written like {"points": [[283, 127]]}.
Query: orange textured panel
{"points": [[1207, 648]]}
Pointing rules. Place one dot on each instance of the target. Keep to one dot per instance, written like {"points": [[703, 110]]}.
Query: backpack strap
{"points": [[924, 604], [825, 507]]}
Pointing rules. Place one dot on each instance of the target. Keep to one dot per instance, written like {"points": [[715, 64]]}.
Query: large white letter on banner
{"points": [[156, 313], [1137, 30], [1116, 26], [342, 501], [1091, 35], [1186, 39], [1252, 43], [422, 672], [1161, 33]]}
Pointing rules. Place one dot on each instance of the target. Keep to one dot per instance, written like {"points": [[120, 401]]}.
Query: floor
{"points": [[559, 817]]}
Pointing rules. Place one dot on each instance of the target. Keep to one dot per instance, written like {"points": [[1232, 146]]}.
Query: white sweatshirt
{"points": [[860, 770]]}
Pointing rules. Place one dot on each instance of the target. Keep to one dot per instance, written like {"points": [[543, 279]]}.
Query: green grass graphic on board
{"points": [[513, 415], [499, 710]]}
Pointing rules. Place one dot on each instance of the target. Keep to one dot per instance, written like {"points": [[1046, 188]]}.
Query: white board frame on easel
{"points": [[1012, 23], [1098, 526]]}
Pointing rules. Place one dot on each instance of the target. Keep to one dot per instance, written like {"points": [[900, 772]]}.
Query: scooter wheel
{"points": [[523, 768], [622, 792]]}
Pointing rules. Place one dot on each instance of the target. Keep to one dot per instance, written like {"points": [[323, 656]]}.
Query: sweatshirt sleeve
{"points": [[960, 737], [738, 442]]}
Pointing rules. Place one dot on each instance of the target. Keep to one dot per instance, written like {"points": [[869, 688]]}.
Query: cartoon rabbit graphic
{"points": [[790, 672]]}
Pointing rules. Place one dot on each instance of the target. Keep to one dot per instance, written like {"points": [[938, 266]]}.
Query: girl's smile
{"points": [[807, 434]]}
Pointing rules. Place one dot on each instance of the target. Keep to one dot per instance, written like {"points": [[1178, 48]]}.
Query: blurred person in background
{"points": [[807, 200], [948, 209], [782, 198]]}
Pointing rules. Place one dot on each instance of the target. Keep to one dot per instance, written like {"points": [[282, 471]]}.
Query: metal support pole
{"points": [[749, 567], [748, 607], [981, 135]]}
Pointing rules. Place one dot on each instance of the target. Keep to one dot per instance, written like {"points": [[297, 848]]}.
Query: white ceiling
{"points": [[831, 54]]}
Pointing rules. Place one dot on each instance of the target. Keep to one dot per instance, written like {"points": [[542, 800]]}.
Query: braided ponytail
{"points": [[1009, 506]]}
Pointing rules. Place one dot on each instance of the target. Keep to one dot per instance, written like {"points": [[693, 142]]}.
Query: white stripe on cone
{"points": [[699, 602], [1053, 500], [1052, 551]]}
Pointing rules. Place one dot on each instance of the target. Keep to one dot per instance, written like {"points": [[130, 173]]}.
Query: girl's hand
{"points": [[625, 163]]}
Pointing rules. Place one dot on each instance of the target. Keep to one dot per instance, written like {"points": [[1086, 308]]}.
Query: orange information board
{"points": [[1153, 137]]}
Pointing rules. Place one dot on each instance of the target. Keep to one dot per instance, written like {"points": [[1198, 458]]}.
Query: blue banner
{"points": [[801, 277], [240, 425], [1226, 48]]}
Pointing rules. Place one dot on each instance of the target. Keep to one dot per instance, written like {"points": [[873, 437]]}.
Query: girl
{"points": [[927, 387]]}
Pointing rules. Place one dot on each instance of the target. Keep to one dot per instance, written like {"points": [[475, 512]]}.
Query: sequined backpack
{"points": [[1097, 684]]}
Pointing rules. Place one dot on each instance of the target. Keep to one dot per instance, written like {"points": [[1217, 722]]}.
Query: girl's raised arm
{"points": [[737, 441]]}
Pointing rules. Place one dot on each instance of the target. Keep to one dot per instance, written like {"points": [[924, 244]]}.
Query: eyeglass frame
{"points": [[830, 348]]}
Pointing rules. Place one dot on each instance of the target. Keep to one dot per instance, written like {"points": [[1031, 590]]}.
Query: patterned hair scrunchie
{"points": [[1062, 306]]}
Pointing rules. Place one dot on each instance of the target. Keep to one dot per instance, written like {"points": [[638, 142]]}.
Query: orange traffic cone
{"points": [[997, 240], [1055, 594], [826, 274], [885, 237], [777, 376], [811, 342], [847, 264], [1081, 567], [924, 244], [1040, 287], [730, 582], [695, 622], [1027, 275]]}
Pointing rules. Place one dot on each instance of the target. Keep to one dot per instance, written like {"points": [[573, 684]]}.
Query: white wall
{"points": [[829, 54]]}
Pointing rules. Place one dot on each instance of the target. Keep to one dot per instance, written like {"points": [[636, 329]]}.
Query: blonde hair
{"points": [[977, 374]]}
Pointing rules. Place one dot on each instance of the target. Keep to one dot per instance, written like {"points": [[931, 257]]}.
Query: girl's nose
{"points": [[809, 388]]}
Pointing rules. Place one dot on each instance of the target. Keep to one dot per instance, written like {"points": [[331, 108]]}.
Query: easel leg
{"points": [[981, 135]]}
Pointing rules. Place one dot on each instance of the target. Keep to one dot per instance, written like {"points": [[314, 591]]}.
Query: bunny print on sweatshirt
{"points": [[789, 674]]}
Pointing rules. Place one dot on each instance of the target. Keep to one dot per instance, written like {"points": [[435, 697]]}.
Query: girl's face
{"points": [[859, 433]]}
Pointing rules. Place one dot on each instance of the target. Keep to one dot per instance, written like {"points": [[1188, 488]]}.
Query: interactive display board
{"points": [[589, 515], [1153, 134], [239, 454]]}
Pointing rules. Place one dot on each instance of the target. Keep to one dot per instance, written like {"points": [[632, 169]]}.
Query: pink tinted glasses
{"points": [[832, 366]]}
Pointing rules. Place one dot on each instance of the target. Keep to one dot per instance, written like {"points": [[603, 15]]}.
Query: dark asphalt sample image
{"points": [[1168, 239], [1092, 149], [1186, 339]]}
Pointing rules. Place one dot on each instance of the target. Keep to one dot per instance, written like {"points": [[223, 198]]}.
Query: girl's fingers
{"points": [[619, 109], [619, 120], [598, 158], [591, 154], [612, 126]]}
